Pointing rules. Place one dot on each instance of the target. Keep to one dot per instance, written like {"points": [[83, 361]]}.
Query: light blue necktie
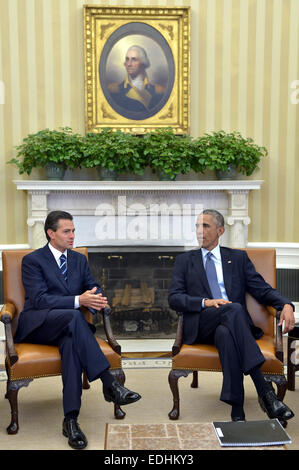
{"points": [[63, 267], [212, 277]]}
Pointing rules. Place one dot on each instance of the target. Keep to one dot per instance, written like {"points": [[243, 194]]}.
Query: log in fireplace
{"points": [[136, 284]]}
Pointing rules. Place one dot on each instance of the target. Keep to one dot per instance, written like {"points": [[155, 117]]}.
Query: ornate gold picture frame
{"points": [[141, 88]]}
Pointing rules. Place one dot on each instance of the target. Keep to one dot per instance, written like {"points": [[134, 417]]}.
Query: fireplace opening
{"points": [[136, 284]]}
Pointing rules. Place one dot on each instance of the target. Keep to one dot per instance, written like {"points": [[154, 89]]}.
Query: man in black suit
{"points": [[208, 287], [57, 282]]}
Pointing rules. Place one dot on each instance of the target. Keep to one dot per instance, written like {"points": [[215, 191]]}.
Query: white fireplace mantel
{"points": [[139, 213]]}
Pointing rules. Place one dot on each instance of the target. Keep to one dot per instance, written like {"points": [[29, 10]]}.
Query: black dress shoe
{"points": [[274, 407], [119, 394], [71, 429]]}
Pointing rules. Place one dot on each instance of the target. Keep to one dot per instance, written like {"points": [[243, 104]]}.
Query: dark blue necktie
{"points": [[63, 267], [212, 277]]}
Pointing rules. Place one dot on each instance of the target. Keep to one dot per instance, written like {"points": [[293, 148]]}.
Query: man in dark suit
{"points": [[57, 282], [208, 287]]}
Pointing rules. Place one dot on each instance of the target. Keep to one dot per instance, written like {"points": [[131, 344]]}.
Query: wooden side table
{"points": [[293, 335]]}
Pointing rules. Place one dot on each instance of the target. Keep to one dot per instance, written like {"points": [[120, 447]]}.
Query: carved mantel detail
{"points": [[112, 213]]}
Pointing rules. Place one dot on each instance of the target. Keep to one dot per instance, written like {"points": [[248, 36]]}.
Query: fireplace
{"points": [[136, 284], [134, 231]]}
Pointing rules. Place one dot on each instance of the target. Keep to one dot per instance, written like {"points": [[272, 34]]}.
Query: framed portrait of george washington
{"points": [[137, 68]]}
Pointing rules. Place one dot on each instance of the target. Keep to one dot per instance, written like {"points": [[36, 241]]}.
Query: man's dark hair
{"points": [[218, 218], [52, 221]]}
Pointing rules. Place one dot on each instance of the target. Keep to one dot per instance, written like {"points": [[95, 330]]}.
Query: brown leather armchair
{"points": [[25, 362], [196, 357]]}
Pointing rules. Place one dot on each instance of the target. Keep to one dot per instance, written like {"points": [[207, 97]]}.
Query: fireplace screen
{"points": [[136, 284]]}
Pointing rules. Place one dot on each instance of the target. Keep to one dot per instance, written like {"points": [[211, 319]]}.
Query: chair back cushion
{"points": [[12, 279], [264, 261]]}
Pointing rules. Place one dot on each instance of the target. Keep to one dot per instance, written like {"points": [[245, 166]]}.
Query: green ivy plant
{"points": [[62, 147], [167, 152], [220, 150], [121, 152], [116, 151]]}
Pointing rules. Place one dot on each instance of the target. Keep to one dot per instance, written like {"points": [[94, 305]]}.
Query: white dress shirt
{"points": [[56, 253], [216, 257]]}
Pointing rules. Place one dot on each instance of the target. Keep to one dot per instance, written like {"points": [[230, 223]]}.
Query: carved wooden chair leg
{"points": [[291, 366], [121, 378], [281, 389], [13, 388], [194, 383], [173, 378], [281, 383], [118, 412], [85, 383]]}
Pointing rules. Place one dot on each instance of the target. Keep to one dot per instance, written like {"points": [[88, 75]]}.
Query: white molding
{"points": [[115, 213], [142, 186], [20, 246], [296, 305], [287, 254]]}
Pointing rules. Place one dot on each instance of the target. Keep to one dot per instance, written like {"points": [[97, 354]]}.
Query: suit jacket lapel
{"points": [[201, 272], [71, 268], [227, 265]]}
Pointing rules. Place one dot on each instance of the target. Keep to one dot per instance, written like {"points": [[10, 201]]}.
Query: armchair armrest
{"points": [[278, 338], [107, 326], [6, 315], [271, 310], [106, 312], [179, 336], [278, 333]]}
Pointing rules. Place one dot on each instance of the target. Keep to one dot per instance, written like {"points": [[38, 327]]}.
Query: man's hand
{"points": [[216, 302], [92, 300], [287, 316]]}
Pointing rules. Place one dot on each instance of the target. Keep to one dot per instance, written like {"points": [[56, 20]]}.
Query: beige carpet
{"points": [[40, 409]]}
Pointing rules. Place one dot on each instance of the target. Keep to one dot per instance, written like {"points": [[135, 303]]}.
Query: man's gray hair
{"points": [[142, 55], [218, 218]]}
